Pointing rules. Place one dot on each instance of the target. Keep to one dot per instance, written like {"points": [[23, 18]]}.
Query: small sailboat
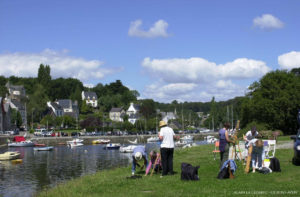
{"points": [[153, 139]]}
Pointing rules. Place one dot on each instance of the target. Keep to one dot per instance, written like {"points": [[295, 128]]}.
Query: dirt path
{"points": [[285, 145]]}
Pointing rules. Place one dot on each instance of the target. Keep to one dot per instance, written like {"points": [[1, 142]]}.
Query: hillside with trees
{"points": [[273, 102]]}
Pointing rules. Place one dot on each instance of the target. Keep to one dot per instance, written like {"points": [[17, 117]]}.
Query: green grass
{"points": [[114, 183]]}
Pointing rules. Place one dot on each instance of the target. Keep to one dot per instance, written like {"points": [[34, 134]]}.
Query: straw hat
{"points": [[162, 123], [138, 156]]}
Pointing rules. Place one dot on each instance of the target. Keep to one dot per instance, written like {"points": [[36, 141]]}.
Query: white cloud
{"points": [[197, 70], [289, 60], [197, 79], [159, 29], [62, 65], [267, 22]]}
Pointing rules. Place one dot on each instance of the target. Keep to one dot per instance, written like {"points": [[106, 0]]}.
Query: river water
{"points": [[44, 169]]}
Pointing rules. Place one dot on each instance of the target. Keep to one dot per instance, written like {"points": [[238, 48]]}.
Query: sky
{"points": [[184, 50]]}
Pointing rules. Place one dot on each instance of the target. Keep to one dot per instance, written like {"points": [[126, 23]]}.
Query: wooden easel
{"points": [[236, 141], [157, 160], [248, 159]]}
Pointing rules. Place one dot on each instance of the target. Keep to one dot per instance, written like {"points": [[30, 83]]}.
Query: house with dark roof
{"points": [[117, 114], [66, 107], [16, 96], [15, 91], [90, 98], [55, 109]]}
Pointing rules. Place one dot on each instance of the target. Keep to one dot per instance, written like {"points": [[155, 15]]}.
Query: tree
{"points": [[148, 108], [3, 89], [274, 100], [16, 118], [44, 76], [37, 103]]}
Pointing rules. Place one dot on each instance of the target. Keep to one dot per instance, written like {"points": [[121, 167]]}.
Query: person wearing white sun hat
{"points": [[138, 154], [167, 136]]}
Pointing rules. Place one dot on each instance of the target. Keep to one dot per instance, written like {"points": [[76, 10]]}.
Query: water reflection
{"points": [[44, 169]]}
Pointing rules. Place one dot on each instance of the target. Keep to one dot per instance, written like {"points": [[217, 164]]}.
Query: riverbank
{"points": [[114, 182], [53, 141]]}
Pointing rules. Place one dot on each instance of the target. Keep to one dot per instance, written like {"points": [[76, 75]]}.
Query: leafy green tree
{"points": [[274, 100], [16, 118], [3, 89], [37, 103], [44, 76], [48, 120], [69, 121], [148, 108], [85, 108]]}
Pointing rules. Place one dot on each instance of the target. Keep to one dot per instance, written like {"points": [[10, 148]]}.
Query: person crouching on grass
{"points": [[138, 154]]}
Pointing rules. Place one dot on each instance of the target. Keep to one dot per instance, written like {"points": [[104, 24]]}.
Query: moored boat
{"points": [[19, 141], [100, 141], [127, 149], [9, 155], [74, 143], [153, 139], [133, 142], [46, 148], [112, 146], [210, 139]]}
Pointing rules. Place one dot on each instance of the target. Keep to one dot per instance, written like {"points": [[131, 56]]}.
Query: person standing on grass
{"points": [[224, 143], [167, 136]]}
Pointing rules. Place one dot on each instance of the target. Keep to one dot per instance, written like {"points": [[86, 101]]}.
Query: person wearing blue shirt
{"points": [[138, 154]]}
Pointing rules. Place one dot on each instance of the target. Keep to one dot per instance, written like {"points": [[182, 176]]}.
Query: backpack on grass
{"points": [[188, 172]]}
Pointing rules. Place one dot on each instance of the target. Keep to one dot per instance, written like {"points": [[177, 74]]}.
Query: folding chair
{"points": [[217, 144]]}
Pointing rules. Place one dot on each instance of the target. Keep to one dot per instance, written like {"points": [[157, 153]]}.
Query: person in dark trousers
{"points": [[224, 143], [167, 136]]}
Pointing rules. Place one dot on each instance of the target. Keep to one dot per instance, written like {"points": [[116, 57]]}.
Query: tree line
{"points": [[273, 102]]}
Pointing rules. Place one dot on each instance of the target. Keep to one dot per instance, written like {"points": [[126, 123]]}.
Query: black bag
{"points": [[188, 172], [275, 165], [223, 174], [264, 170]]}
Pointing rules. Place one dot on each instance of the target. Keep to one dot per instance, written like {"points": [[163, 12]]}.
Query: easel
{"points": [[236, 142], [157, 162], [248, 159]]}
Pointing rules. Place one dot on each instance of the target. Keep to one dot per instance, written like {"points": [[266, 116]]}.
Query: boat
{"points": [[210, 139], [133, 142], [181, 143], [112, 146], [100, 141], [46, 148], [187, 138], [9, 155], [127, 149], [74, 143], [153, 139], [20, 141]]}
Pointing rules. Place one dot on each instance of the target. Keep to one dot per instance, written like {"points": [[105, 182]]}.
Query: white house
{"points": [[90, 98], [168, 116], [133, 113]]}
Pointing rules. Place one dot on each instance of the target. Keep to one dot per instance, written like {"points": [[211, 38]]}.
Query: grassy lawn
{"points": [[114, 183]]}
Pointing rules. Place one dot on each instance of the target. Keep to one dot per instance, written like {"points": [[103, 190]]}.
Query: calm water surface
{"points": [[45, 169]]}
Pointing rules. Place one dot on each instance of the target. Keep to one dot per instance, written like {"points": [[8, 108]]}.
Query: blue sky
{"points": [[166, 50]]}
